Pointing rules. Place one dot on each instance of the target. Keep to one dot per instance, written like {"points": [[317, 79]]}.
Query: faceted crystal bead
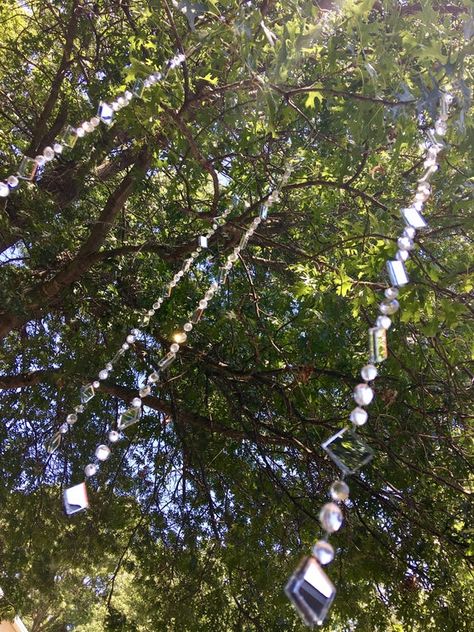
{"points": [[310, 591], [71, 419], [409, 232], [27, 168], [174, 348], [378, 351], [397, 273], [114, 436], [129, 417], [48, 153], [348, 451], [87, 393], [103, 375], [389, 306], [106, 113], [68, 136], [63, 428], [222, 276], [102, 452], [402, 255], [136, 402], [90, 470], [165, 362], [323, 552], [391, 292], [358, 416], [339, 490], [75, 499], [363, 394], [117, 356], [95, 384], [404, 243], [54, 443], [180, 337], [413, 218], [12, 182], [202, 241], [369, 372], [58, 148], [4, 189], [330, 517], [383, 321]]}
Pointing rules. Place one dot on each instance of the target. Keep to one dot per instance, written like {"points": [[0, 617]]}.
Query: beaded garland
{"points": [[309, 588]]}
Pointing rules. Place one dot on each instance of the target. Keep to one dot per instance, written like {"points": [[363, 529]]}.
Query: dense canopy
{"points": [[206, 506]]}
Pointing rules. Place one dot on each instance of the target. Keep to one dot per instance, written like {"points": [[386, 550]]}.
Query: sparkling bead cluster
{"points": [[88, 391], [132, 414], [348, 451], [28, 167]]}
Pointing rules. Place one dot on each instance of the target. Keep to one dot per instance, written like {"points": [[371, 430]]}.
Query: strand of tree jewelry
{"points": [[28, 167], [75, 498], [309, 588]]}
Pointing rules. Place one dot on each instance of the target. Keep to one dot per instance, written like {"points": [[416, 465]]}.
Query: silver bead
{"points": [[103, 375], [136, 402], [363, 394], [323, 552], [330, 517], [358, 416], [174, 348], [384, 322], [90, 470], [339, 490], [391, 292], [102, 452], [389, 306], [369, 372], [114, 436]]}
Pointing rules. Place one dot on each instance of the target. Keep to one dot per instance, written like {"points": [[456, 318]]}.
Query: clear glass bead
{"points": [[196, 317], [232, 257], [402, 255], [63, 428], [96, 384], [330, 517], [58, 148], [187, 326], [102, 452], [203, 304], [339, 490], [114, 436], [103, 375], [105, 113], [48, 153], [369, 372], [115, 106], [130, 339], [125, 346], [72, 418], [135, 332], [180, 337], [53, 443], [174, 348], [4, 189], [323, 552], [441, 128], [358, 416], [363, 394], [40, 160], [389, 306], [12, 182], [144, 391], [79, 408], [129, 417], [347, 450], [95, 121], [378, 350], [151, 312], [136, 402], [81, 132], [87, 127], [405, 243], [383, 321], [90, 470], [157, 305], [109, 366], [409, 232], [391, 292]]}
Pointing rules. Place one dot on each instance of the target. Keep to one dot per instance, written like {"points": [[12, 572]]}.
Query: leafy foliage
{"points": [[198, 519]]}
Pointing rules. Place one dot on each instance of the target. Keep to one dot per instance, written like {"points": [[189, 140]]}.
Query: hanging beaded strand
{"points": [[88, 391], [28, 166], [132, 414], [309, 588]]}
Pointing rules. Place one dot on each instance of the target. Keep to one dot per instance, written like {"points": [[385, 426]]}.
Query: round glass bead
{"points": [[389, 306], [409, 232], [40, 160], [72, 418], [80, 132], [187, 326], [180, 337], [232, 257], [151, 312], [12, 181], [369, 372], [109, 366], [363, 394], [358, 416], [391, 292], [4, 189], [48, 153], [228, 265], [136, 402], [202, 304], [103, 375], [339, 490], [114, 436], [63, 428], [174, 348], [402, 255], [330, 517], [323, 552], [125, 346], [384, 322], [405, 243], [90, 470], [96, 384], [157, 305], [102, 452], [79, 409], [115, 106], [130, 339], [58, 148], [95, 121]]}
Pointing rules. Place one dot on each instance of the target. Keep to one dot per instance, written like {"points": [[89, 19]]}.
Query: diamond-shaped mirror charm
{"points": [[311, 591], [348, 451], [128, 418], [106, 113], [75, 499], [87, 393], [27, 168]]}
